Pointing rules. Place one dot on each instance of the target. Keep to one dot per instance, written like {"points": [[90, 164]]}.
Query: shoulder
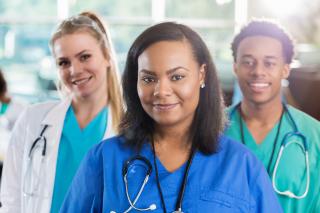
{"points": [[114, 146], [238, 155], [227, 144], [306, 124], [43, 106], [37, 112], [241, 176], [300, 116]]}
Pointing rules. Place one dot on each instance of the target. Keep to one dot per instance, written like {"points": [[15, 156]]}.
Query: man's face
{"points": [[260, 66]]}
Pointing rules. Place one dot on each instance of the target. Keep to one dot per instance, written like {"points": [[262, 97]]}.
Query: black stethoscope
{"points": [[131, 161], [31, 183], [284, 144], [38, 140]]}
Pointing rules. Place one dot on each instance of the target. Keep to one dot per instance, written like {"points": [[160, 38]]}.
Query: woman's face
{"points": [[82, 64], [169, 80]]}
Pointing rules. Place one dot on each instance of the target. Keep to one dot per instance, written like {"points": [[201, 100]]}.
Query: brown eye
{"points": [[63, 63], [177, 77], [84, 57], [248, 63], [148, 79], [269, 64]]}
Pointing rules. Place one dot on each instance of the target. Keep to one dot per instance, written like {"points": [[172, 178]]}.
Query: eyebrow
{"points": [[80, 53], [77, 55], [267, 57], [170, 71]]}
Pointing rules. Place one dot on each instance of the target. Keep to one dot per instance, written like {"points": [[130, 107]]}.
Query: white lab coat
{"points": [[7, 120], [26, 130]]}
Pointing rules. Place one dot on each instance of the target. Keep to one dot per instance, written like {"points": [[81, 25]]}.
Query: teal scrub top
{"points": [[291, 170], [3, 108], [74, 144]]}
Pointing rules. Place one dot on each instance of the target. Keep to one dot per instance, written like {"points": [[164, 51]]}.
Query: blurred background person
{"points": [[10, 108], [51, 138]]}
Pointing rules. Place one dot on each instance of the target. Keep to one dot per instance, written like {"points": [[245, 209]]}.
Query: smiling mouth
{"points": [[164, 107], [259, 85], [81, 81]]}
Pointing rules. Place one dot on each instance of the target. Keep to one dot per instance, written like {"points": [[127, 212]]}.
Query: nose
{"points": [[162, 88], [258, 69], [75, 68]]}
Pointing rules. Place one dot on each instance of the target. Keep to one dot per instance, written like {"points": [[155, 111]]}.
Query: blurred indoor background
{"points": [[26, 26]]}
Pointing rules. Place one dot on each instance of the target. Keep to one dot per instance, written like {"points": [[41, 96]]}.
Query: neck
{"points": [[172, 146], [172, 137], [86, 109], [261, 113]]}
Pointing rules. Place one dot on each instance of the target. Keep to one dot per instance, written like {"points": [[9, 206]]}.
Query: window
{"points": [[25, 33]]}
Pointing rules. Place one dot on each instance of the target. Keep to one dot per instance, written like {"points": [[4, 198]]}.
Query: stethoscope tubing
{"points": [[285, 143]]}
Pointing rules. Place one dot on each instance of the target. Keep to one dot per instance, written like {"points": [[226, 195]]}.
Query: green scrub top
{"points": [[291, 170], [74, 144], [3, 108]]}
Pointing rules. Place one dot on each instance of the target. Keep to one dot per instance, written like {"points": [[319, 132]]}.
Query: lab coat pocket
{"points": [[214, 200]]}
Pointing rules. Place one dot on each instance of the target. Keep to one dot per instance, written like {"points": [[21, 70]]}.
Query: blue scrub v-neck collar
{"points": [[147, 151]]}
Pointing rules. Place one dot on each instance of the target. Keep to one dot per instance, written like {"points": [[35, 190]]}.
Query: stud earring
{"points": [[202, 85]]}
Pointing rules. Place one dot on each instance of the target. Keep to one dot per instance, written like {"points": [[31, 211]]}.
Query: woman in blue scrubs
{"points": [[50, 139], [171, 155]]}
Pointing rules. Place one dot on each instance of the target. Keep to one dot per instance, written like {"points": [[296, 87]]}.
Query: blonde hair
{"points": [[90, 22]]}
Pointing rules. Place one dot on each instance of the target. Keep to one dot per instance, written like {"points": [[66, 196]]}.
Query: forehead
{"points": [[260, 46], [74, 43], [167, 54]]}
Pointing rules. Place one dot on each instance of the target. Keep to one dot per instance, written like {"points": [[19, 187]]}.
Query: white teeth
{"points": [[81, 81], [260, 85]]}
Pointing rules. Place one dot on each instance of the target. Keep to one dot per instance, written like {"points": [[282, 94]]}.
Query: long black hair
{"points": [[208, 123]]}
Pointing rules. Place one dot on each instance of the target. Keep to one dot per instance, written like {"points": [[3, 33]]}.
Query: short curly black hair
{"points": [[266, 28]]}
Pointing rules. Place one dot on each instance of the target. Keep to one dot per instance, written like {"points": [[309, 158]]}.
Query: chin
{"points": [[162, 122]]}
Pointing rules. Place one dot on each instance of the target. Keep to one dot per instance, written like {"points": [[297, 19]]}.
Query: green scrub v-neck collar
{"points": [[99, 121], [262, 149]]}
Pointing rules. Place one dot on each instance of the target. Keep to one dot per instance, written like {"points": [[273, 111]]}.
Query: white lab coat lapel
{"points": [[109, 132], [55, 120]]}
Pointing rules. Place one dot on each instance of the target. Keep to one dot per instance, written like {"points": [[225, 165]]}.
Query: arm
{"points": [[86, 191], [11, 186], [265, 199]]}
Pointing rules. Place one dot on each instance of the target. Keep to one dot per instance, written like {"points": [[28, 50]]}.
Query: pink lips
{"points": [[164, 107]]}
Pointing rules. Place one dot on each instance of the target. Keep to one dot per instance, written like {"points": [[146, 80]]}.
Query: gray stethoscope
{"points": [[284, 144], [153, 206], [125, 168], [31, 186]]}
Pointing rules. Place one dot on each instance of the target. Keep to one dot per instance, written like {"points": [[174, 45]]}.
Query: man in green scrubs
{"points": [[262, 53]]}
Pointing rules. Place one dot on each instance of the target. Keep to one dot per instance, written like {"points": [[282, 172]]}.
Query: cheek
{"points": [[63, 75], [143, 93], [189, 93]]}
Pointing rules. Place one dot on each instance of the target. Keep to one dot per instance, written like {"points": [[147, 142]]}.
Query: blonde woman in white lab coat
{"points": [[51, 138]]}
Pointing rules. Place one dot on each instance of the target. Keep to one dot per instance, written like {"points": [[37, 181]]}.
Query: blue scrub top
{"points": [[74, 144], [231, 180]]}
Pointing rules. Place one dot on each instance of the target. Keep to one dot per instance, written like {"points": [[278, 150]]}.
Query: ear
{"points": [[235, 69], [202, 76], [286, 71]]}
